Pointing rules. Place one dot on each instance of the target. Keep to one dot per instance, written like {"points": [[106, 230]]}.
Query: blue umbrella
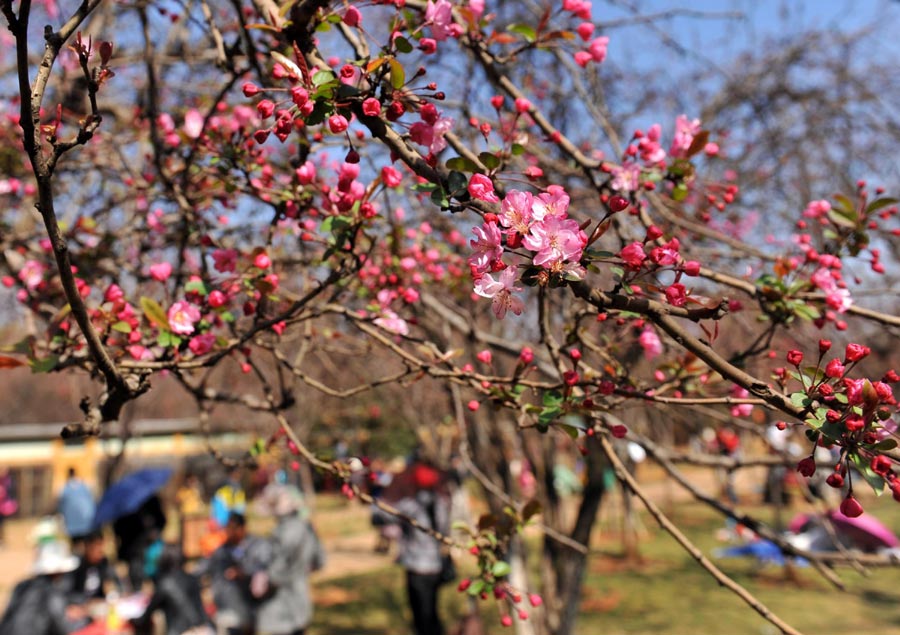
{"points": [[127, 495]]}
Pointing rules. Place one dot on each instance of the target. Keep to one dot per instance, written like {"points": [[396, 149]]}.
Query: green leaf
{"points": [[800, 399], [476, 588], [552, 398], [500, 569], [122, 327], [462, 164], [398, 74], [875, 481], [489, 160], [322, 77], [403, 45], [886, 445], [679, 192], [843, 203], [517, 149], [527, 32], [847, 220], [44, 365], [805, 311], [154, 313], [457, 183], [880, 203], [440, 199], [572, 431]]}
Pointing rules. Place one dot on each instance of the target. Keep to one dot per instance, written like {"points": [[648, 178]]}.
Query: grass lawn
{"points": [[665, 593]]}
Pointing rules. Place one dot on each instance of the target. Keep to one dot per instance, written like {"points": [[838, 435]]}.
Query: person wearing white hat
{"points": [[38, 605]]}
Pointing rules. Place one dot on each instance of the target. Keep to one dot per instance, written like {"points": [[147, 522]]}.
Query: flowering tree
{"points": [[309, 195]]}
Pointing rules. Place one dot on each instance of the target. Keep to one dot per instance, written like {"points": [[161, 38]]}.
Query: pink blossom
{"points": [[390, 176], [32, 274], [741, 409], [582, 58], [835, 297], [161, 271], [685, 131], [553, 202], [439, 16], [651, 343], [555, 240], [667, 254], [501, 292], [854, 390], [633, 255], [597, 48], [676, 294], [390, 321], [202, 344], [431, 136], [193, 123], [140, 353], [306, 173], [516, 211], [114, 294], [225, 260], [486, 245], [217, 298], [477, 8], [482, 188], [585, 30], [182, 317], [626, 178], [816, 209]]}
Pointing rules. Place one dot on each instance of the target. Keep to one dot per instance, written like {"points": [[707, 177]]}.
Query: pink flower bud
{"points": [[850, 507], [352, 16], [337, 124], [371, 107], [262, 260], [807, 466]]}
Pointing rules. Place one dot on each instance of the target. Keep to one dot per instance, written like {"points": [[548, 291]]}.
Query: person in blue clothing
{"points": [[229, 498], [77, 506]]}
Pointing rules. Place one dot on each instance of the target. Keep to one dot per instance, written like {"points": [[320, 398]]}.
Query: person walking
{"points": [[77, 507], [230, 570], [420, 493], [294, 552]]}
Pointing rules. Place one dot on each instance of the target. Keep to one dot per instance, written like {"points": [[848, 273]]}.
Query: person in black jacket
{"points": [[95, 575], [38, 605], [177, 594], [135, 533]]}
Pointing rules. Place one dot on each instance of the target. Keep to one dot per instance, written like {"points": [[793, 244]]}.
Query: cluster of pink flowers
{"points": [[646, 156], [539, 223], [856, 416], [430, 131]]}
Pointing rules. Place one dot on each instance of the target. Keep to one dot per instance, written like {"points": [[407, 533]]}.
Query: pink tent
{"points": [[865, 532]]}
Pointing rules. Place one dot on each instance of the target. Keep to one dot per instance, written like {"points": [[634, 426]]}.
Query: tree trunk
{"points": [[571, 564]]}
